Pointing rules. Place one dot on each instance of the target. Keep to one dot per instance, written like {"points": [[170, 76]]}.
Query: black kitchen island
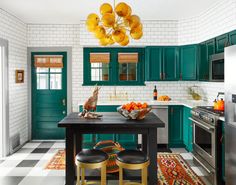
{"points": [[110, 123]]}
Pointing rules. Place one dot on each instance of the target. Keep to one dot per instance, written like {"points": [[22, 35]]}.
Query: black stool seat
{"points": [[132, 157], [91, 156]]}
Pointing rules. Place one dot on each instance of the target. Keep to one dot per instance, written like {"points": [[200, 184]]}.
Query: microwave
{"points": [[216, 67]]}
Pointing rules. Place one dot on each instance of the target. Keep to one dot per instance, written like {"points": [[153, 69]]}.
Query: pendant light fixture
{"points": [[115, 25]]}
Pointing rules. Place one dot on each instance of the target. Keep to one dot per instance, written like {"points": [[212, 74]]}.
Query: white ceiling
{"points": [[72, 11]]}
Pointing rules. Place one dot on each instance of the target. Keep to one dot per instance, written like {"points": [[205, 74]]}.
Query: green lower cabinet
{"points": [[127, 141], [187, 129], [175, 127]]}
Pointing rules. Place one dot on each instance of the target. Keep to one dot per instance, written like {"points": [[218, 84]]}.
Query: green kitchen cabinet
{"points": [[153, 63], [175, 126], [232, 37], [221, 42], [210, 49], [170, 64], [203, 65], [188, 62], [187, 129]]}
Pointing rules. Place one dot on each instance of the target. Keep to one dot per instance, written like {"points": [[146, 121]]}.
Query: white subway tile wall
{"points": [[218, 19], [15, 31]]}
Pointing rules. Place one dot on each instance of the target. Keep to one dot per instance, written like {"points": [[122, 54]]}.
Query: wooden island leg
{"points": [[152, 152]]}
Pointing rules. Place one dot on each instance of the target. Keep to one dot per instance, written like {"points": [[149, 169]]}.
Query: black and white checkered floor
{"points": [[26, 167]]}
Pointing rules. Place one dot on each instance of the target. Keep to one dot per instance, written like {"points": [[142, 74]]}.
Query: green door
{"points": [[170, 63], [153, 63], [221, 42], [176, 126], [49, 93], [188, 62], [232, 37]]}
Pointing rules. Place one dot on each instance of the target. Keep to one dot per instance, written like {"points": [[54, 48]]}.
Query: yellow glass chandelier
{"points": [[116, 25]]}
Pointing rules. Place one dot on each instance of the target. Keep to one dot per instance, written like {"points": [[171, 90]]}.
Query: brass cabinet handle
{"points": [[64, 102]]}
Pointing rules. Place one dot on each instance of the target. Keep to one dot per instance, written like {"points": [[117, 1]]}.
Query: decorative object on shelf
{"points": [[134, 110], [111, 148], [115, 24], [91, 105], [19, 76], [164, 98], [194, 91]]}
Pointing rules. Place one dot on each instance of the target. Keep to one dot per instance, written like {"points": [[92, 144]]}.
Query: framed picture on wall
{"points": [[19, 76]]}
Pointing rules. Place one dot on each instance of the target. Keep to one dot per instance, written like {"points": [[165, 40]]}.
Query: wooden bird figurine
{"points": [[90, 105]]}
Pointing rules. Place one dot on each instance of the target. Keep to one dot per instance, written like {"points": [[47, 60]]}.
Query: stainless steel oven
{"points": [[204, 138], [216, 67]]}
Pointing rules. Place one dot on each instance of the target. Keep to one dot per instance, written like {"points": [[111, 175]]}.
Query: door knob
{"points": [[64, 102]]}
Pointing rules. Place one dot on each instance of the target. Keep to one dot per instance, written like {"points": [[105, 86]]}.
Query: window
{"points": [[49, 72], [113, 66]]}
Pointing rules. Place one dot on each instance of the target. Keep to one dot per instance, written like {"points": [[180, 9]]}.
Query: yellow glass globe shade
{"points": [[136, 33], [125, 42], [100, 32], [129, 12], [93, 18], [106, 8], [91, 26], [118, 35], [108, 19], [122, 9], [104, 41], [134, 21], [110, 40]]}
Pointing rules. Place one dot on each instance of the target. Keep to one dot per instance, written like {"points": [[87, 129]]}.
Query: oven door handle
{"points": [[202, 164], [201, 125]]}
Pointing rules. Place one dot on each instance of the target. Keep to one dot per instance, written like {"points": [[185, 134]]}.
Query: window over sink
{"points": [[114, 66]]}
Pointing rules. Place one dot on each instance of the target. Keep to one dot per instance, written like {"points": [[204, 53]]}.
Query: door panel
{"points": [[153, 63], [170, 63], [232, 38], [221, 42], [49, 93]]}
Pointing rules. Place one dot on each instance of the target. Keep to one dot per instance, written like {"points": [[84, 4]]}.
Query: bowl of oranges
{"points": [[134, 110]]}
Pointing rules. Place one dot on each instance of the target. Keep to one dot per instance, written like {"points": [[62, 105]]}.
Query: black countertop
{"points": [[113, 119]]}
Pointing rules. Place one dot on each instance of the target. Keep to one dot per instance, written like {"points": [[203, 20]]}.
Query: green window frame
{"points": [[113, 69]]}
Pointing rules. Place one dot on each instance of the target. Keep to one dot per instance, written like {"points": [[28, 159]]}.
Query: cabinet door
{"points": [[104, 137], [187, 129], [170, 63], [203, 65], [221, 42], [88, 141], [128, 141], [210, 49], [153, 63], [176, 126], [232, 38], [188, 62]]}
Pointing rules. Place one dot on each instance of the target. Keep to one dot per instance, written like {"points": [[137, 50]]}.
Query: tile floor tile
{"points": [[38, 172], [58, 145], [187, 156], [46, 145], [25, 150], [178, 150], [10, 163], [40, 150], [54, 181], [32, 181], [32, 145], [5, 170], [34, 156], [19, 171], [10, 180], [28, 163]]}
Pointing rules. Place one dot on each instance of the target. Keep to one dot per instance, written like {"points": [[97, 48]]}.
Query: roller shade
{"points": [[99, 57], [128, 57], [48, 61]]}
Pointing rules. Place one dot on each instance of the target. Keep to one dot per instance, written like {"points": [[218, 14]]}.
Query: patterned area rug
{"points": [[57, 162], [172, 169]]}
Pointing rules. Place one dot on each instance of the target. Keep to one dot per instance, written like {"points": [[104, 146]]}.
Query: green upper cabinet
{"points": [[188, 62], [114, 66], [176, 126], [210, 49], [221, 42], [170, 64], [232, 37], [153, 63], [203, 65], [187, 129]]}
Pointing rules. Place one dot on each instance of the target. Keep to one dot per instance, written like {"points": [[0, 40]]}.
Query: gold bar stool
{"points": [[91, 159], [132, 160]]}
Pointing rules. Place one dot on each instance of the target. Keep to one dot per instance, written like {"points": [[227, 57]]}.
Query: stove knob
{"points": [[211, 120]]}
